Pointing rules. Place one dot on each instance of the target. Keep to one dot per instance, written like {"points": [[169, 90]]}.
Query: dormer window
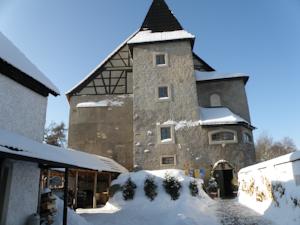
{"points": [[160, 59], [215, 100]]}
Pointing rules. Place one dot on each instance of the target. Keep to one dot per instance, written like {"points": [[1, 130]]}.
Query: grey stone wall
{"points": [[232, 93], [105, 131], [148, 111]]}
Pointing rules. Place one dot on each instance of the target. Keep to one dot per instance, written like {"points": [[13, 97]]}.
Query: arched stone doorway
{"points": [[224, 174]]}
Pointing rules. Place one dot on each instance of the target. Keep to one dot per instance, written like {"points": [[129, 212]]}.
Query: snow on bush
{"points": [[128, 189], [150, 188], [194, 188], [186, 210], [172, 186]]}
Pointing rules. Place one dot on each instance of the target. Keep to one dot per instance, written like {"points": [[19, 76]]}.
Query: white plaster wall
{"points": [[23, 193], [21, 110]]}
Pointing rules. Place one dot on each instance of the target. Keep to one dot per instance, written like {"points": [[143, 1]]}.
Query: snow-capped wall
{"points": [[21, 110], [272, 188]]}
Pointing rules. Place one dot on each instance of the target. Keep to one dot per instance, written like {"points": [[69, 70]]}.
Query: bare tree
{"points": [[267, 149], [55, 134]]}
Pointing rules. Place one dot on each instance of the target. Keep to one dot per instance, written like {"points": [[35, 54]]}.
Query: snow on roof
{"points": [[103, 103], [12, 55], [102, 63], [213, 75], [18, 145], [149, 36], [294, 156], [219, 116]]}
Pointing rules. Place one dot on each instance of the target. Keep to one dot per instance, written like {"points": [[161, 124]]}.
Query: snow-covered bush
{"points": [[114, 189], [212, 185], [193, 188], [128, 189], [150, 188], [172, 186]]}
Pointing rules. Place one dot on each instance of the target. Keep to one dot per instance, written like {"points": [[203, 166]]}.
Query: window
{"points": [[160, 59], [168, 160], [247, 138], [215, 100], [222, 137], [163, 92], [165, 134]]}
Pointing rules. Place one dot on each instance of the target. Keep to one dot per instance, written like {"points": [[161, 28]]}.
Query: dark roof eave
{"points": [[247, 125], [24, 79], [245, 79]]}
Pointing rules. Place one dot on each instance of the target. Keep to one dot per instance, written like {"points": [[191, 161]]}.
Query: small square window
{"points": [[165, 133], [163, 92], [168, 160], [160, 59]]}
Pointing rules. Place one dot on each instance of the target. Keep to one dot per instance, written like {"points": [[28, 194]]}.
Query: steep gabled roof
{"points": [[15, 65], [160, 18]]}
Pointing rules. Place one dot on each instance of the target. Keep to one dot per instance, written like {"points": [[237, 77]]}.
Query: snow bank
{"points": [[11, 54], [73, 218], [272, 188], [186, 210]]}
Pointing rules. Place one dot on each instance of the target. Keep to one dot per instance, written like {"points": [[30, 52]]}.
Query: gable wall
{"points": [[105, 131], [232, 93], [22, 110]]}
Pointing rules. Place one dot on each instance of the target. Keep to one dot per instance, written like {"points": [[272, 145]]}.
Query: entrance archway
{"points": [[223, 172]]}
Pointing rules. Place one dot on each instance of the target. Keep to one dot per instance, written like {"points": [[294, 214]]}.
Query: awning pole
{"points": [[65, 213], [76, 188], [95, 190]]}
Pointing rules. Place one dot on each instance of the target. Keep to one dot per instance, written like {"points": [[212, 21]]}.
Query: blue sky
{"points": [[66, 39]]}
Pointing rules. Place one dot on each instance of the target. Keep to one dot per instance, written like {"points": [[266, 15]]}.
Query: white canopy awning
{"points": [[20, 147]]}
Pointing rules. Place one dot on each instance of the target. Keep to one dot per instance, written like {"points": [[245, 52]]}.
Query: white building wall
{"points": [[23, 193], [21, 110]]}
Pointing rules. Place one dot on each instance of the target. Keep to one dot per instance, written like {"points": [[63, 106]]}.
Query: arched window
{"points": [[215, 100], [247, 138], [222, 137]]}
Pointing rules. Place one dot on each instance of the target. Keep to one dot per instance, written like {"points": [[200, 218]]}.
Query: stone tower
{"points": [[154, 103]]}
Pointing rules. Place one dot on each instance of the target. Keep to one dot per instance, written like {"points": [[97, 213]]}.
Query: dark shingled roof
{"points": [[160, 18]]}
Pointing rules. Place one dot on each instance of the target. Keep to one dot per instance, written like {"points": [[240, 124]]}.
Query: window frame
{"points": [[168, 156], [155, 54], [169, 140], [213, 142], [163, 99]]}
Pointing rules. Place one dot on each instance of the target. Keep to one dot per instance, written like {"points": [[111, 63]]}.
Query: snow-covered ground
{"points": [[272, 188], [186, 210]]}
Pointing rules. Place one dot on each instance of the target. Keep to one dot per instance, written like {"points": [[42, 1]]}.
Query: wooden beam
{"points": [[95, 190], [76, 188], [65, 212]]}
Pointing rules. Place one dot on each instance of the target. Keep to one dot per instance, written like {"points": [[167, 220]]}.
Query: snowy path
{"points": [[230, 212]]}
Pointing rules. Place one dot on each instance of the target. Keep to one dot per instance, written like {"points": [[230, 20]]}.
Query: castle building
{"points": [[154, 103]]}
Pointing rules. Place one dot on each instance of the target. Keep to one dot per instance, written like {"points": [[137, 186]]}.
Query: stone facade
{"points": [[132, 133], [105, 131]]}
